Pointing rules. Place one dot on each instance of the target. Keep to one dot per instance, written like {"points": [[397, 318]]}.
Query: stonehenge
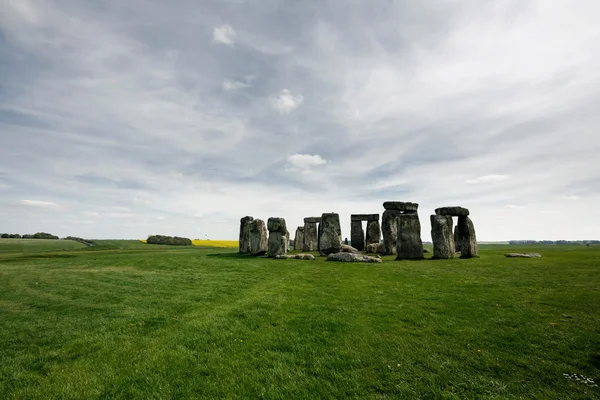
{"points": [[244, 246], [330, 234], [400, 227], [357, 234], [258, 237], [277, 236], [311, 235], [299, 239], [463, 238]]}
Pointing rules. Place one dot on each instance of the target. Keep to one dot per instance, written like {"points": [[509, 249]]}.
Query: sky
{"points": [[120, 119]]}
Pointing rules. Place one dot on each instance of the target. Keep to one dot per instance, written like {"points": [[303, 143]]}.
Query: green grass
{"points": [[128, 320], [37, 245]]}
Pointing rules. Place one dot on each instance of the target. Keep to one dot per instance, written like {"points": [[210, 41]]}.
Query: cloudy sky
{"points": [[120, 119]]}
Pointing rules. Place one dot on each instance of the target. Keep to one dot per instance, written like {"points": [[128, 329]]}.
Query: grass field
{"points": [[124, 319]]}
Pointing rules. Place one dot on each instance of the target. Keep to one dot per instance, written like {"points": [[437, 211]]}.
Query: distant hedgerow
{"points": [[170, 240]]}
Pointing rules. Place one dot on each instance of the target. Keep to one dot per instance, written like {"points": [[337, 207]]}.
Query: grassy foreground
{"points": [[129, 320]]}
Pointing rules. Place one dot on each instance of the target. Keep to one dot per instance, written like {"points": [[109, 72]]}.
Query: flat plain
{"points": [[124, 319]]}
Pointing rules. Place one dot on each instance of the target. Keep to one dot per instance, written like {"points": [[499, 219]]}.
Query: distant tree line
{"points": [[39, 235], [581, 242], [80, 240], [170, 240]]}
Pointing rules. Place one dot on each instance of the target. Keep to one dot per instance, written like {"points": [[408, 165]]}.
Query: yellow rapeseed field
{"points": [[216, 243]]}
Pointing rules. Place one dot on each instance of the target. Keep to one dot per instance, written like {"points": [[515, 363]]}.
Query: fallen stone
{"points": [[244, 243], [441, 235], [349, 249], [330, 234], [523, 255], [295, 257], [258, 237], [400, 206], [373, 248], [452, 211], [409, 245], [352, 257]]}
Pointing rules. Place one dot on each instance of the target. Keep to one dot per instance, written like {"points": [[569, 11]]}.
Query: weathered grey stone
{"points": [[468, 239], [295, 257], [441, 235], [453, 211], [357, 235], [346, 241], [400, 206], [313, 220], [349, 249], [287, 240], [364, 217], [277, 243], [409, 245], [524, 255], [373, 232], [373, 248], [457, 239], [244, 244], [330, 234], [352, 257], [258, 237], [310, 237], [276, 224], [389, 228], [299, 239]]}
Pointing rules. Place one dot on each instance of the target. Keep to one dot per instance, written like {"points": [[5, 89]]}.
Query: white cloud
{"points": [[572, 198], [286, 101], [224, 34], [305, 161], [232, 84], [512, 206], [37, 203], [488, 179]]}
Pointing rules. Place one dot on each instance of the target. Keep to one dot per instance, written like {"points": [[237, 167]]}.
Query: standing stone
{"points": [[373, 232], [441, 235], [258, 237], [299, 239], [468, 240], [311, 235], [409, 245], [277, 232], [357, 235], [456, 239], [389, 228], [330, 234], [244, 245], [287, 240], [346, 241]]}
